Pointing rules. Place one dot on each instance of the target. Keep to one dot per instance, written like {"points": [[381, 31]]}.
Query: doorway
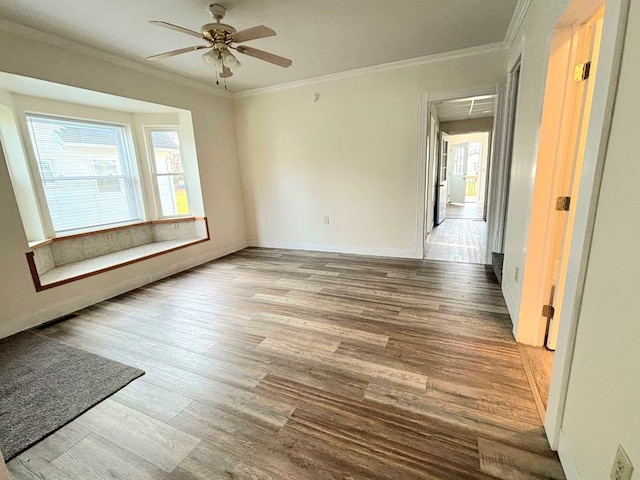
{"points": [[572, 70], [460, 181], [468, 157], [501, 175]]}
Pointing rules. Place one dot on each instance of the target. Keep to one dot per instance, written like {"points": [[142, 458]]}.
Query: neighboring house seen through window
{"points": [[87, 173], [168, 169]]}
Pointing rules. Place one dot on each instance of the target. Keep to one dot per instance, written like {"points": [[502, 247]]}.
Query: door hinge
{"points": [[563, 204], [582, 71], [548, 311]]}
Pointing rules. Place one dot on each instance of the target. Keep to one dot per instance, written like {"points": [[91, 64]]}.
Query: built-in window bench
{"points": [[62, 260]]}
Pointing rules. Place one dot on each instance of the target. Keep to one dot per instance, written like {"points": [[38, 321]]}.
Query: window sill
{"points": [[47, 274]]}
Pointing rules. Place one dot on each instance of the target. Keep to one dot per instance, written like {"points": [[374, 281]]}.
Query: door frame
{"points": [[500, 173], [432, 173], [425, 160], [614, 29]]}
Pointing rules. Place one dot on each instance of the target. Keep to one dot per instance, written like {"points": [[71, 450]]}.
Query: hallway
{"points": [[470, 210], [458, 240]]}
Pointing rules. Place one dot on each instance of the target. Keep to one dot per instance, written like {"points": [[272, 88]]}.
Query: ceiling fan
{"points": [[220, 39]]}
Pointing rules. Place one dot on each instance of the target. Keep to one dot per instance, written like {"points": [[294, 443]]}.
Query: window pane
{"points": [[166, 151], [85, 172], [173, 195], [76, 204]]}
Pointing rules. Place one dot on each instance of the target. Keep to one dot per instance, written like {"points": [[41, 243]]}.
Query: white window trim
{"points": [[154, 175]]}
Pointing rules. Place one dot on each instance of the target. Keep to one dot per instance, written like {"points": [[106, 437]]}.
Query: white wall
{"points": [[603, 403], [604, 388], [351, 156], [216, 146]]}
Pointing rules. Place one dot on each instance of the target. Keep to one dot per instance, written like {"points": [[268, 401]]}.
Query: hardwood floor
{"points": [[458, 240], [275, 364], [538, 365], [470, 211]]}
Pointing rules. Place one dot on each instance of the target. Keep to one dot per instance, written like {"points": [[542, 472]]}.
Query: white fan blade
{"points": [[160, 56], [226, 72], [177, 28], [252, 33], [266, 56]]}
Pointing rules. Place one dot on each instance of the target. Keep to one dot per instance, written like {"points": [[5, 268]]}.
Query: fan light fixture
{"points": [[213, 60], [229, 59], [219, 38]]}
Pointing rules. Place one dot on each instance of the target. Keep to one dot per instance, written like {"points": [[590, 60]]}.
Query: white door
{"points": [[458, 172], [571, 155]]}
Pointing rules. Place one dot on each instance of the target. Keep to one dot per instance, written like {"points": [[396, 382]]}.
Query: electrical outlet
{"points": [[622, 466], [176, 226], [326, 220], [517, 274]]}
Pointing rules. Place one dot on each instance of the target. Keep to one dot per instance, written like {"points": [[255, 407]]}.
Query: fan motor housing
{"points": [[217, 31]]}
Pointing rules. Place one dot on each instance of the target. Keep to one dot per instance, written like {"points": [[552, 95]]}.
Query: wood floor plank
{"points": [[154, 441], [159, 403], [410, 438], [237, 400], [271, 364], [538, 364], [514, 433], [346, 364], [201, 363], [458, 240], [95, 458], [59, 442], [323, 328], [240, 447], [508, 463], [31, 466]]}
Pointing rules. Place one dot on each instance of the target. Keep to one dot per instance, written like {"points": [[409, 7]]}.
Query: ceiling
{"points": [[466, 108], [321, 37]]}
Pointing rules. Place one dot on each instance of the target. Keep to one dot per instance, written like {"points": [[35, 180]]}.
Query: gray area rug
{"points": [[44, 384]]}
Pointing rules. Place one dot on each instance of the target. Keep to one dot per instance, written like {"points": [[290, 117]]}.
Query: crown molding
{"points": [[383, 67], [51, 39], [519, 15]]}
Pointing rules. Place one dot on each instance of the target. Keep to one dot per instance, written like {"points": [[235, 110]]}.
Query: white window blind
{"points": [[86, 172], [169, 172]]}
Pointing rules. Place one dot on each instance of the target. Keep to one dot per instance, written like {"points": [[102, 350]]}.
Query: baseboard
{"points": [[34, 319], [318, 247], [568, 465], [512, 305]]}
